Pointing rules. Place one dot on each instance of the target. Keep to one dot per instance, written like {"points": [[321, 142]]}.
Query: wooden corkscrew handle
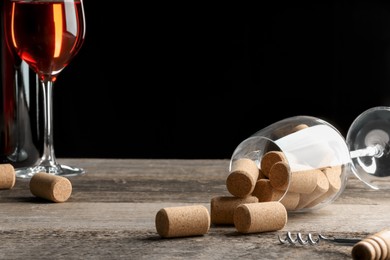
{"points": [[376, 246]]}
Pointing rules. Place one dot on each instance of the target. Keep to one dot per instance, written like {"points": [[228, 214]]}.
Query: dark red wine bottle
{"points": [[20, 129]]}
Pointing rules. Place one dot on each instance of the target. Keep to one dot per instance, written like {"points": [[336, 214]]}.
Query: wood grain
{"points": [[111, 214]]}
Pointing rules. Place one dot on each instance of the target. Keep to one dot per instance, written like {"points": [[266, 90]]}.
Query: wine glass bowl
{"points": [[46, 34], [313, 166], [315, 152]]}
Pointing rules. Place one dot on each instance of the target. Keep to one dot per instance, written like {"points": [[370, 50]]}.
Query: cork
{"points": [[333, 170], [290, 200], [376, 246], [279, 175], [222, 208], [260, 217], [289, 129], [182, 221], [7, 176], [333, 176], [321, 188], [265, 192], [261, 175], [242, 178], [50, 187], [304, 181], [299, 127], [269, 159]]}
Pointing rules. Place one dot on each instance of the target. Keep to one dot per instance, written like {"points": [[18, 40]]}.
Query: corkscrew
{"points": [[309, 239]]}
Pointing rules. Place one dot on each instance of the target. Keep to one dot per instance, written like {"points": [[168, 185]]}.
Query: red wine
{"points": [[46, 34]]}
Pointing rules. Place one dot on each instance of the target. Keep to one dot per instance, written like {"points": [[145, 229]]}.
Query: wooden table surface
{"points": [[111, 215]]}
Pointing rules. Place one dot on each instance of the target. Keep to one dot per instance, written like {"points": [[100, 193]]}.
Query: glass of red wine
{"points": [[46, 34]]}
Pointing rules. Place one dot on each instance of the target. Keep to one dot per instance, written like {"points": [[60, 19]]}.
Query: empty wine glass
{"points": [[304, 162], [46, 34]]}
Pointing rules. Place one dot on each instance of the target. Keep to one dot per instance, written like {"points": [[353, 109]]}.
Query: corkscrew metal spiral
{"points": [[310, 240]]}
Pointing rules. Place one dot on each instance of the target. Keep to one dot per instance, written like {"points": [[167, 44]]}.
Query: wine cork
{"points": [[279, 175], [242, 178], [333, 170], [333, 176], [289, 129], [260, 217], [7, 176], [290, 200], [182, 221], [261, 175], [222, 208], [299, 127], [269, 159], [376, 246], [265, 192], [304, 181], [321, 188], [50, 187]]}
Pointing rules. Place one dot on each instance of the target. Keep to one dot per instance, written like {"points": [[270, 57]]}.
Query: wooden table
{"points": [[111, 215]]}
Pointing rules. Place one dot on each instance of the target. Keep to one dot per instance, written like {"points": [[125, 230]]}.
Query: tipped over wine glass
{"points": [[46, 34], [306, 162]]}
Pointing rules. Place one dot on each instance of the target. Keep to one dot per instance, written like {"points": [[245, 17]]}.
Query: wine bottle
{"points": [[19, 107]]}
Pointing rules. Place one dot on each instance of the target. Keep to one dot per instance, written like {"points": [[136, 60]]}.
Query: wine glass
{"points": [[46, 34], [313, 161]]}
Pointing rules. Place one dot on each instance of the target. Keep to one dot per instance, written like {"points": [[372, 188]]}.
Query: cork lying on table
{"points": [[51, 187], [182, 221], [260, 217], [7, 176], [222, 208]]}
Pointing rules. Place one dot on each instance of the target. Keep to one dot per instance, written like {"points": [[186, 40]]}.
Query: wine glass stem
{"points": [[375, 151], [48, 157]]}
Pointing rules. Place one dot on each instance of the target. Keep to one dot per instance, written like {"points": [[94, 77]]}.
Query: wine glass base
{"points": [[59, 170], [368, 139]]}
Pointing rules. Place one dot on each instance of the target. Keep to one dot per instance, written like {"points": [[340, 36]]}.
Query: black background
{"points": [[193, 81]]}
